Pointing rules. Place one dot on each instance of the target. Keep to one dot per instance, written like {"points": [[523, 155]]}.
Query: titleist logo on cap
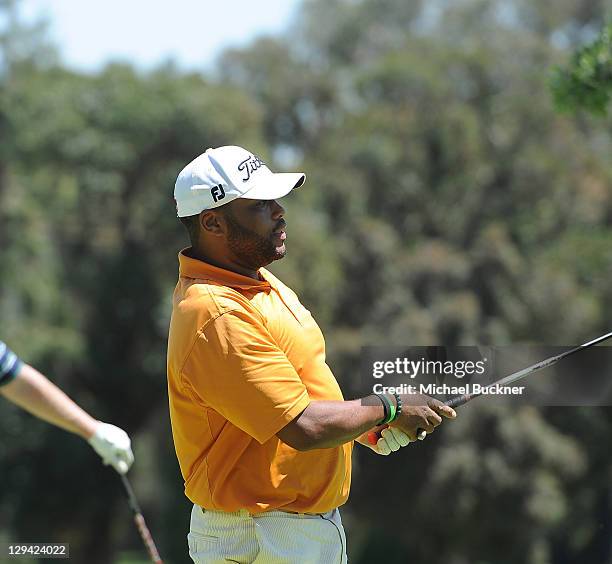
{"points": [[222, 174], [250, 165]]}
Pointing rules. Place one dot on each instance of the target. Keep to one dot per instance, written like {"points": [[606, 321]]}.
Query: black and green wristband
{"points": [[390, 411], [386, 408]]}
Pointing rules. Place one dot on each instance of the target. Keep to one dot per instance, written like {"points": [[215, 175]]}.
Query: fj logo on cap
{"points": [[217, 192], [250, 165]]}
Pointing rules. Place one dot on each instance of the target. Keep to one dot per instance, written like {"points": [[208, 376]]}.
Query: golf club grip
{"points": [[373, 436], [454, 402], [459, 400], [147, 538]]}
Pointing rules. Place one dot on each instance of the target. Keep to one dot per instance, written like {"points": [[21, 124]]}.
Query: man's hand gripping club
{"points": [[420, 415]]}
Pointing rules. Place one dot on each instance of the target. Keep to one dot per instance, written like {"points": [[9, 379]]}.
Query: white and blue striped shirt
{"points": [[10, 364]]}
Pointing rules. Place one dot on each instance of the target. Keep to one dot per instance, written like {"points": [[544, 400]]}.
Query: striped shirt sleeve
{"points": [[10, 364]]}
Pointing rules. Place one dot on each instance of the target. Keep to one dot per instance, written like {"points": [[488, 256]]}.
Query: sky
{"points": [[146, 33]]}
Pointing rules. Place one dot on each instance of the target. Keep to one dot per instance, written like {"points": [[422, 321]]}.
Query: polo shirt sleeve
{"points": [[10, 364], [236, 368]]}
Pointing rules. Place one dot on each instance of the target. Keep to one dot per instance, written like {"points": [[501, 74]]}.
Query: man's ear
{"points": [[212, 223]]}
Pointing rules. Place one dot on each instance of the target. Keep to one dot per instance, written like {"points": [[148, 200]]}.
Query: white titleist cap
{"points": [[221, 175]]}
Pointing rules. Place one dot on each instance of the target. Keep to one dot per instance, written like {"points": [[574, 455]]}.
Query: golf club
{"points": [[140, 522], [515, 376]]}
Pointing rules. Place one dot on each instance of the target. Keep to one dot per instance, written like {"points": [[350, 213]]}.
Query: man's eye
{"points": [[261, 203]]}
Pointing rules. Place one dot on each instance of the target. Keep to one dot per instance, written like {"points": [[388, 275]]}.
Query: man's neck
{"points": [[225, 264]]}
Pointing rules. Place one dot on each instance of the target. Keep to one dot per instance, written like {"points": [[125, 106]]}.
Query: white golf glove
{"points": [[113, 445], [391, 440]]}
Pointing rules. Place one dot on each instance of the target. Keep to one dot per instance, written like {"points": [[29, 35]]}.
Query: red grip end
{"points": [[375, 434]]}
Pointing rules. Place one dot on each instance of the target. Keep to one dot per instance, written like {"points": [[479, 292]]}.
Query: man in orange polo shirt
{"points": [[261, 429]]}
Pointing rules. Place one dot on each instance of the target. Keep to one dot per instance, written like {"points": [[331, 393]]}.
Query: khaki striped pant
{"points": [[273, 537]]}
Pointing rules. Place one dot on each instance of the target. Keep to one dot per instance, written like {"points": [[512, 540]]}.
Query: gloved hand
{"points": [[391, 439], [113, 445]]}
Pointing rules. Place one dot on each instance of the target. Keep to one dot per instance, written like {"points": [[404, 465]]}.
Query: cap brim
{"points": [[275, 186]]}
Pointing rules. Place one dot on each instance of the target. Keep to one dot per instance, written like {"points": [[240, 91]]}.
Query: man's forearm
{"points": [[327, 424], [35, 393]]}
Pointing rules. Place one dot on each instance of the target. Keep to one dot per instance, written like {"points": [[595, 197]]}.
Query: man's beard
{"points": [[250, 248]]}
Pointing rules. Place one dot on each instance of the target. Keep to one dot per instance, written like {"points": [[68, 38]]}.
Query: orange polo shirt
{"points": [[244, 359]]}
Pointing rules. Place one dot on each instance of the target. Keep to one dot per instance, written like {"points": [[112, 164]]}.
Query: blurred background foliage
{"points": [[446, 202], [587, 81]]}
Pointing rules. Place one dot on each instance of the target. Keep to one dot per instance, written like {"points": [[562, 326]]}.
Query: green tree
{"points": [[586, 82]]}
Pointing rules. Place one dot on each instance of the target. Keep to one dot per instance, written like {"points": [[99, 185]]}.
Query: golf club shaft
{"points": [[145, 534], [519, 375], [511, 378]]}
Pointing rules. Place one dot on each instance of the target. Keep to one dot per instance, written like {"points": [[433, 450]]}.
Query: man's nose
{"points": [[278, 211]]}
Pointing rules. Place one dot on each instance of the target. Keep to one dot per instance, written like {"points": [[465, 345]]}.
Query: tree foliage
{"points": [[586, 82]]}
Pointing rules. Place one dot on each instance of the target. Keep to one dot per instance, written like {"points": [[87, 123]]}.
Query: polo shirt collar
{"points": [[198, 269]]}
